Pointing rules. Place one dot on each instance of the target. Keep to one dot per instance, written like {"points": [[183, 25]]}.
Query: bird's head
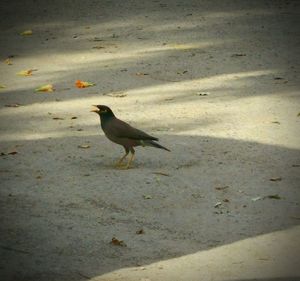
{"points": [[102, 110]]}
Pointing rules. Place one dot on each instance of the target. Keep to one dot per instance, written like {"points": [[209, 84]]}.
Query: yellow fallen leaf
{"points": [[8, 61], [26, 32], [45, 88], [83, 84], [27, 72], [2, 86]]}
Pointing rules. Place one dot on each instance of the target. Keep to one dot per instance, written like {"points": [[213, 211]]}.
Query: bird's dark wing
{"points": [[121, 129]]}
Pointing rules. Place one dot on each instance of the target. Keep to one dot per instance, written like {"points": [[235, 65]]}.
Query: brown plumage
{"points": [[123, 134]]}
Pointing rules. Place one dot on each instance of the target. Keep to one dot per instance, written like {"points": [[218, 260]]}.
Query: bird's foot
{"points": [[122, 166]]}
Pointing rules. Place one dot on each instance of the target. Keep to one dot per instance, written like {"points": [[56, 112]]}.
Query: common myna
{"points": [[122, 133]]}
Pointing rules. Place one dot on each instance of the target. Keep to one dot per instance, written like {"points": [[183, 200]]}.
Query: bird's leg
{"points": [[131, 158], [120, 161]]}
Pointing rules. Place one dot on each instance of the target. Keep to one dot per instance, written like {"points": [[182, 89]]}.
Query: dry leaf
{"points": [[8, 61], [203, 94], [27, 72], [161, 173], [222, 187], [98, 47], [45, 88], [276, 179], [26, 32], [84, 146], [141, 74], [275, 196], [83, 84], [182, 72], [218, 204], [58, 118], [168, 99], [13, 105], [2, 86], [140, 231], [117, 242], [13, 152]]}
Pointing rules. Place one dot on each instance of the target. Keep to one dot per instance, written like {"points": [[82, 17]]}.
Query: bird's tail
{"points": [[154, 144]]}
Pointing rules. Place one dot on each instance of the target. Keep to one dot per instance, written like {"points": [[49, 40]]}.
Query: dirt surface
{"points": [[216, 81]]}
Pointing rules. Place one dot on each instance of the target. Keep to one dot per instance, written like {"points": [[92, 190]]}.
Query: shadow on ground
{"points": [[200, 46], [59, 211]]}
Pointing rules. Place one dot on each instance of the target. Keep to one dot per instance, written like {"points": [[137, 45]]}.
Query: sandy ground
{"points": [[216, 81]]}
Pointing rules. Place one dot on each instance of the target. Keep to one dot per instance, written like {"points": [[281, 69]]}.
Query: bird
{"points": [[123, 134]]}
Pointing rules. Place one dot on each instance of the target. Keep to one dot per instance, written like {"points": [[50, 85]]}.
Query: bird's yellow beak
{"points": [[95, 109]]}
